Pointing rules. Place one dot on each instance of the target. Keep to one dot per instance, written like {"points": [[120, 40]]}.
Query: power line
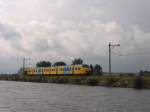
{"points": [[131, 54]]}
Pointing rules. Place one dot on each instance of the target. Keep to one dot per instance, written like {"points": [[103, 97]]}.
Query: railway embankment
{"points": [[107, 81]]}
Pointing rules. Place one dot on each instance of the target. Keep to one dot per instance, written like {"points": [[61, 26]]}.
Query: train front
{"points": [[87, 69]]}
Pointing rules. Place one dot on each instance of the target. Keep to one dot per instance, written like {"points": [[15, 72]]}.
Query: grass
{"points": [[108, 81]]}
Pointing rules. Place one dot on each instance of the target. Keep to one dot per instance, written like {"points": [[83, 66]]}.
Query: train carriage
{"points": [[53, 70], [68, 70], [59, 70], [46, 71], [30, 71], [78, 69], [39, 71]]}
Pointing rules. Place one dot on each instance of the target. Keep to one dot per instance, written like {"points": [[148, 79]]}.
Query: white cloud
{"points": [[65, 29], [75, 38]]}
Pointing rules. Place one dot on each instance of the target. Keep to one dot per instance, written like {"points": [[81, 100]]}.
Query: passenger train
{"points": [[58, 70]]}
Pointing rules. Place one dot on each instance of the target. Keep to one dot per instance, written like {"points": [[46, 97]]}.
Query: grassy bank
{"points": [[108, 81]]}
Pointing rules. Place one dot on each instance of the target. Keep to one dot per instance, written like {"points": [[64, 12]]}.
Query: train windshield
{"points": [[86, 66]]}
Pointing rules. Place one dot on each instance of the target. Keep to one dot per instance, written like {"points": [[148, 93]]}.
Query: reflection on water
{"points": [[44, 97]]}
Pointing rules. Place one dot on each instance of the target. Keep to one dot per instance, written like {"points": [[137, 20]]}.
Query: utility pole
{"points": [[23, 67], [110, 46], [109, 58]]}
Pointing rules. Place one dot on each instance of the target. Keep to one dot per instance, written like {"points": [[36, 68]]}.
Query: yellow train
{"points": [[59, 70]]}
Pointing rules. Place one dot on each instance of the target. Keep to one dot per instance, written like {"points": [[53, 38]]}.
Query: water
{"points": [[44, 97]]}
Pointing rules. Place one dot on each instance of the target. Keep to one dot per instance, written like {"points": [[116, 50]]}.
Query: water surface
{"points": [[45, 97]]}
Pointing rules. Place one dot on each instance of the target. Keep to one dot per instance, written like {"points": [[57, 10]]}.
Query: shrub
{"points": [[138, 83], [75, 80], [61, 80], [91, 81], [110, 81]]}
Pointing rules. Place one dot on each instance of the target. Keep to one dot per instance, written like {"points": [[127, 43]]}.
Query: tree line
{"points": [[59, 63], [95, 69]]}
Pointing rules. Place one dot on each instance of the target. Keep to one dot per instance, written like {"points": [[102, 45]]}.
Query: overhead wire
{"points": [[131, 54]]}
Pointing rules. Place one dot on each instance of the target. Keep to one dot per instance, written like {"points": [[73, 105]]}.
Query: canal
{"points": [[45, 97]]}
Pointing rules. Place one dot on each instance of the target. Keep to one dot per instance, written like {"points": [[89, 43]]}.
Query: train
{"points": [[58, 70]]}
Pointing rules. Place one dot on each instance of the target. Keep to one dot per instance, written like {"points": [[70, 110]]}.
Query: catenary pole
{"points": [[23, 66], [109, 59], [110, 45]]}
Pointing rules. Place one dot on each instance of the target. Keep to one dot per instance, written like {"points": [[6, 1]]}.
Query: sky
{"points": [[61, 30]]}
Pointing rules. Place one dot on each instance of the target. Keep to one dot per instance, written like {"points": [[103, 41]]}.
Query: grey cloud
{"points": [[128, 12], [41, 45], [65, 29], [11, 37], [88, 41], [7, 32]]}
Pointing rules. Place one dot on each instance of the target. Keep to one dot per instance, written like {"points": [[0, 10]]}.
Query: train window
{"points": [[78, 68]]}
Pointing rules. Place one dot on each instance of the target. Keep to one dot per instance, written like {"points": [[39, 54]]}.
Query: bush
{"points": [[75, 80], [91, 81], [110, 81], [138, 83], [61, 80]]}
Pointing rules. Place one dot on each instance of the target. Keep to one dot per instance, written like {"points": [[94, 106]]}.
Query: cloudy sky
{"points": [[57, 30]]}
